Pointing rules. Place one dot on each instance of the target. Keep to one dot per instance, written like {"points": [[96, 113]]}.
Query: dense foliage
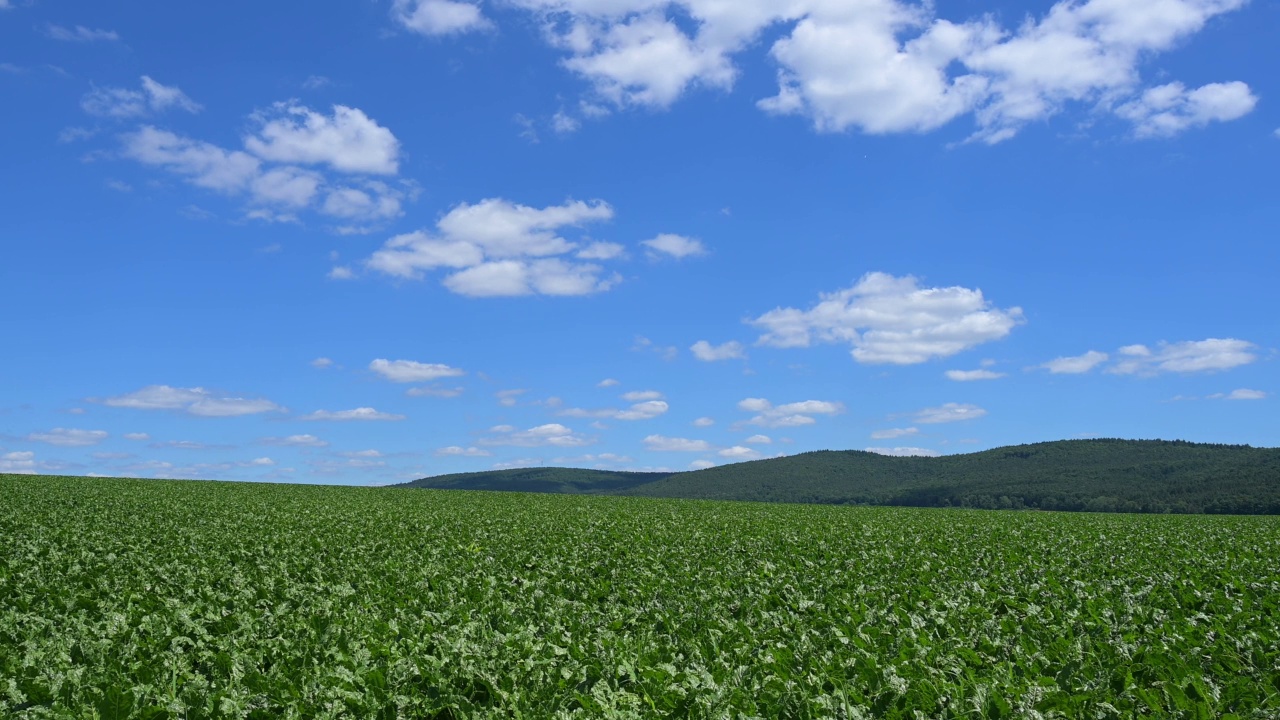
{"points": [[157, 599], [1096, 475]]}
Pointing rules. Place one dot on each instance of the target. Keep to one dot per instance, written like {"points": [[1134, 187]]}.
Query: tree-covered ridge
{"points": [[1104, 475]]}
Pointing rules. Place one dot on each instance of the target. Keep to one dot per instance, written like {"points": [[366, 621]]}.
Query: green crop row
{"points": [[156, 599]]}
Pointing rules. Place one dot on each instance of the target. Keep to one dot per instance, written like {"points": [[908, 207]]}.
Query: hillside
{"points": [[573, 481], [1096, 475]]}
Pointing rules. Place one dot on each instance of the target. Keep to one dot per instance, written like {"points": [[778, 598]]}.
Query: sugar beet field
{"points": [[157, 599]]}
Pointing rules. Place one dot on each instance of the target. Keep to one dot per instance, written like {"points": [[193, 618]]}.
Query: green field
{"points": [[149, 599]]}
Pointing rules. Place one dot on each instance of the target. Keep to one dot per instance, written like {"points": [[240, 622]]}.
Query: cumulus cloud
{"points": [[904, 451], [1170, 109], [548, 435], [439, 17], [1077, 364], [69, 437], [407, 371], [759, 440], [268, 170], [893, 320], [891, 433], [1184, 357], [193, 401], [949, 412], [1240, 394], [80, 33], [360, 413], [707, 352], [434, 391], [136, 436], [675, 246], [295, 441], [18, 463], [701, 464], [739, 452], [888, 66], [497, 248], [321, 363], [601, 251], [641, 395], [607, 382], [662, 443], [459, 451], [123, 103], [972, 375], [704, 422], [646, 410], [348, 140], [794, 414]]}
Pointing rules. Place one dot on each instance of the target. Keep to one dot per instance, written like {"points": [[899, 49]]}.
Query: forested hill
{"points": [[1095, 475]]}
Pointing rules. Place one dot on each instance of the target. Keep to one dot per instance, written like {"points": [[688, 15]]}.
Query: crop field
{"points": [[157, 599]]}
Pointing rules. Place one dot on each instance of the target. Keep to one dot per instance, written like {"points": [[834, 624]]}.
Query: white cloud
{"points": [[881, 66], [508, 398], [889, 319], [794, 414], [435, 391], [321, 363], [704, 422], [891, 433], [661, 443], [676, 246], [666, 352], [647, 60], [1167, 110], [361, 413], [1077, 364], [340, 272], [971, 375], [601, 251], [203, 164], [904, 451], [19, 463], [642, 395], [348, 141], [548, 435], [69, 437], [1241, 394], [707, 352], [738, 452], [564, 123], [505, 230], [499, 248], [439, 17], [459, 451], [759, 440], [295, 441], [407, 371], [80, 33], [646, 410], [701, 465], [949, 412], [607, 382], [1184, 357], [193, 401], [136, 436], [123, 103], [261, 462]]}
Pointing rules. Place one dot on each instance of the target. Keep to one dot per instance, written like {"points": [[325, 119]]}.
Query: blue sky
{"points": [[401, 238]]}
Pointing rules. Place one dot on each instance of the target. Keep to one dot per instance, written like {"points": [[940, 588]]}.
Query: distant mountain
{"points": [[1094, 475]]}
